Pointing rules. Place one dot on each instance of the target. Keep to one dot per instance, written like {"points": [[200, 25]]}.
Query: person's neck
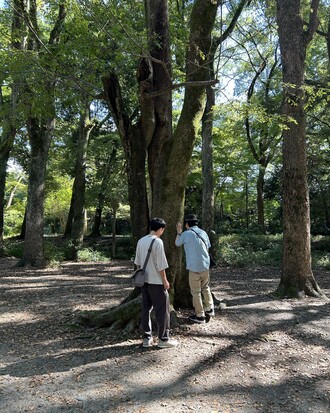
{"points": [[153, 233]]}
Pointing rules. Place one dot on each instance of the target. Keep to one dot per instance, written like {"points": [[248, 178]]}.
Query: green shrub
{"points": [[243, 250], [250, 250], [89, 254], [14, 247]]}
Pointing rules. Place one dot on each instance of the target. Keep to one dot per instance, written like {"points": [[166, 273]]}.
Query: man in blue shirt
{"points": [[196, 245]]}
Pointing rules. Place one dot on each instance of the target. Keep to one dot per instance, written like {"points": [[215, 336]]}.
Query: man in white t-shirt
{"points": [[155, 290]]}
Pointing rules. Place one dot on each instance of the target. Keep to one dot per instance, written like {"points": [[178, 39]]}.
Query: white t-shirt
{"points": [[157, 260]]}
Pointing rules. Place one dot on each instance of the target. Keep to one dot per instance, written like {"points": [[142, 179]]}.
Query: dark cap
{"points": [[191, 218]]}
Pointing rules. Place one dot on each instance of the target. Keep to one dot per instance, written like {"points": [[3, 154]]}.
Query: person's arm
{"points": [[178, 234], [166, 284]]}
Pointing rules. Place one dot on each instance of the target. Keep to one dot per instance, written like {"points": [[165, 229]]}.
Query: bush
{"points": [[250, 250], [91, 255]]}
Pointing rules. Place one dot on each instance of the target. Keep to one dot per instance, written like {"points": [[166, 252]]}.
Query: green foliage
{"points": [[91, 255], [250, 250], [54, 254], [263, 250], [14, 247]]}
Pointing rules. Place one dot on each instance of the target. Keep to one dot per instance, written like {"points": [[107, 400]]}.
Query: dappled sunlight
{"points": [[259, 354], [21, 317]]}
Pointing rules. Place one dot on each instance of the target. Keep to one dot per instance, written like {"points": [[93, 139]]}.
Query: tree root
{"points": [[126, 316]]}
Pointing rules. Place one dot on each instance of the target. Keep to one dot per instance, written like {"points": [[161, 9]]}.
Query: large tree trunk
{"points": [[40, 138], [40, 127], [169, 154], [297, 277], [178, 151], [134, 145]]}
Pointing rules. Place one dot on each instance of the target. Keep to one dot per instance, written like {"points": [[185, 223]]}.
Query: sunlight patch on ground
{"points": [[18, 317]]}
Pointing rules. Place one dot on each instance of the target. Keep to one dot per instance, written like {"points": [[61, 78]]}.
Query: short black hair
{"points": [[157, 223]]}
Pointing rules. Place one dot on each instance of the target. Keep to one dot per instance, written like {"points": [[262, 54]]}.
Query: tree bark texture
{"points": [[297, 277], [134, 145], [207, 162], [6, 143], [40, 126], [207, 127], [177, 151], [40, 138], [79, 186]]}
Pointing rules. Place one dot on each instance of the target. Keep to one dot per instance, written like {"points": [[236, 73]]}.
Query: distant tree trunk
{"points": [[101, 196], [97, 221], [207, 126], [297, 278], [115, 206], [260, 199], [69, 221], [78, 225], [247, 211], [6, 143]]}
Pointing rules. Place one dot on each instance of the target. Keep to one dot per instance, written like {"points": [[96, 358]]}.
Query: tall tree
{"points": [[40, 123], [297, 278], [169, 152], [79, 185], [8, 113], [207, 119]]}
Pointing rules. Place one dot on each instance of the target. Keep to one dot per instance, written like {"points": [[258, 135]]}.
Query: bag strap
{"points": [[148, 255], [200, 238]]}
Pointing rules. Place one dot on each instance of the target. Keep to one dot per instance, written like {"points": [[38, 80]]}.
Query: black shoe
{"points": [[195, 319], [210, 313]]}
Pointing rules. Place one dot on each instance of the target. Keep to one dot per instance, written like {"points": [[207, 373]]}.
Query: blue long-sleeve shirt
{"points": [[196, 250]]}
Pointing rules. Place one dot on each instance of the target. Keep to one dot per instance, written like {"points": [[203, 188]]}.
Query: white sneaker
{"points": [[147, 342], [170, 343]]}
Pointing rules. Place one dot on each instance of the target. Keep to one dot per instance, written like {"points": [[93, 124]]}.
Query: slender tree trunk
{"points": [[79, 217], [297, 278], [114, 225], [207, 126], [97, 221], [6, 143], [207, 162], [101, 196], [247, 212], [260, 199], [69, 221]]}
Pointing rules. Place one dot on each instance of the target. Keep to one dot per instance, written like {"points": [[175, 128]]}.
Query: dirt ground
{"points": [[257, 355]]}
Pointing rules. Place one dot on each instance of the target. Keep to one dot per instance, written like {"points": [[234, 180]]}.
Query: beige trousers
{"points": [[200, 291]]}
